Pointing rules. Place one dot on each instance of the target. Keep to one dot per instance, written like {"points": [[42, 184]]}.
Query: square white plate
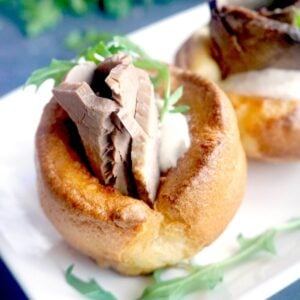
{"points": [[38, 256]]}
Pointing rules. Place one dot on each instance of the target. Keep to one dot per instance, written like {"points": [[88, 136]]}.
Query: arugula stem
{"points": [[291, 225], [168, 84], [165, 107], [248, 252], [210, 275]]}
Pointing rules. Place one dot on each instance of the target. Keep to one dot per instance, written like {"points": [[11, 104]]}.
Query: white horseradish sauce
{"points": [[174, 140], [273, 83]]}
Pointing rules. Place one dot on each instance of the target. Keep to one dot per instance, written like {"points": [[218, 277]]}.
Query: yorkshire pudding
{"points": [[239, 40], [195, 201]]}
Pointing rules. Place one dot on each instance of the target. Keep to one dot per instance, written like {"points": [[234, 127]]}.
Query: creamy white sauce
{"points": [[245, 3], [174, 140], [273, 83]]}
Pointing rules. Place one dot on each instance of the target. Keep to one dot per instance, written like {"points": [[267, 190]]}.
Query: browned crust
{"points": [[195, 202], [269, 128], [186, 53], [184, 57]]}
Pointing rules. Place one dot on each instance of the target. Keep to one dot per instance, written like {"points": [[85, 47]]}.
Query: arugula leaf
{"points": [[165, 77], [266, 241], [106, 48], [39, 15], [173, 99], [117, 8], [180, 109], [90, 289], [79, 6], [157, 275], [121, 8], [297, 17], [56, 70], [93, 53], [77, 40], [207, 277]]}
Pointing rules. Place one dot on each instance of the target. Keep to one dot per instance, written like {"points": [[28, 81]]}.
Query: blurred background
{"points": [[32, 32]]}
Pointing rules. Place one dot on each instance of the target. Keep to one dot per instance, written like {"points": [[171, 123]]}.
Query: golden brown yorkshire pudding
{"points": [[269, 123], [269, 127], [195, 202]]}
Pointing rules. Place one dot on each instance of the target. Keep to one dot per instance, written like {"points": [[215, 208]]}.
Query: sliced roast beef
{"points": [[117, 78], [133, 90], [98, 83], [243, 40], [144, 130], [123, 82], [119, 133], [145, 166], [121, 171], [111, 62], [92, 116], [80, 73], [144, 153], [146, 112]]}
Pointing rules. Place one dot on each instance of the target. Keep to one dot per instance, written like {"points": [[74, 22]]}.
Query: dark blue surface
{"points": [[9, 289], [19, 56], [290, 293]]}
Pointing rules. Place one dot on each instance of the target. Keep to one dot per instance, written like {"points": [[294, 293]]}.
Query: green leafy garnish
{"points": [[78, 6], [56, 71], [180, 109], [96, 53], [39, 15], [117, 8], [106, 48], [207, 277], [90, 289], [171, 100], [297, 17], [163, 76], [80, 40]]}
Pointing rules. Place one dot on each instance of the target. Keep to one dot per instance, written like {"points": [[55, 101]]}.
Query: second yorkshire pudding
{"points": [[195, 201], [261, 53]]}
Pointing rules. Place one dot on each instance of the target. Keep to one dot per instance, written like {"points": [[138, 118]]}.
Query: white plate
{"points": [[38, 256]]}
